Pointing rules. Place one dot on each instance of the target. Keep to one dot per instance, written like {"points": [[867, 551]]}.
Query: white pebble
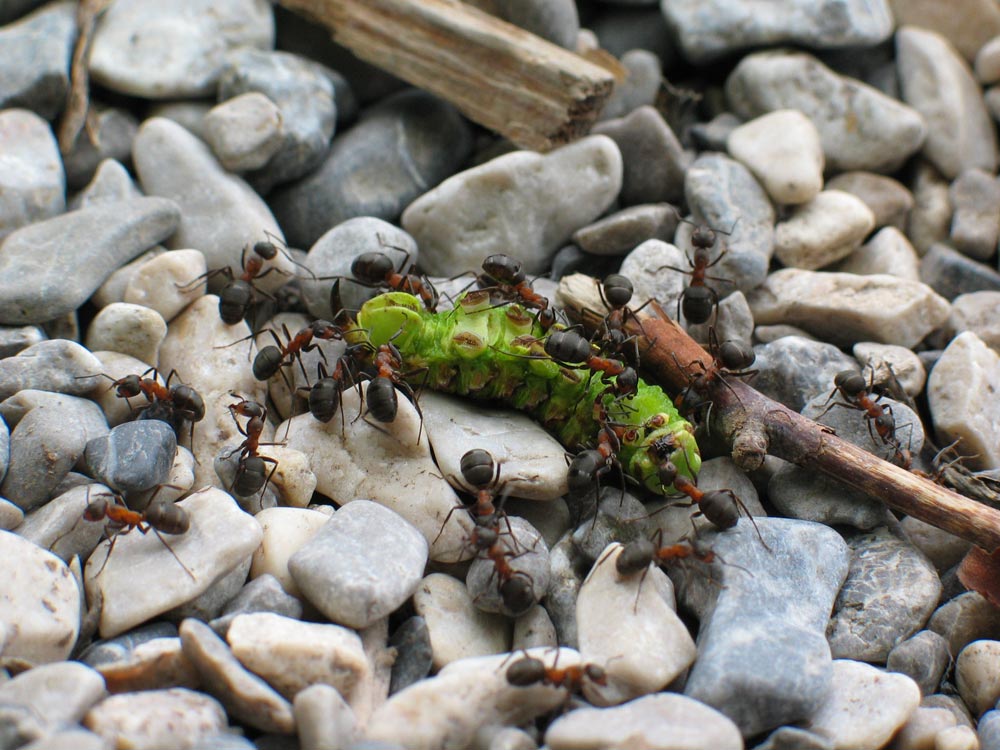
{"points": [[152, 719], [888, 251], [285, 530], [168, 282], [976, 673], [130, 329], [827, 228]]}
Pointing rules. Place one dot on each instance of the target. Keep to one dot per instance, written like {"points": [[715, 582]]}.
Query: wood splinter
{"points": [[753, 426]]}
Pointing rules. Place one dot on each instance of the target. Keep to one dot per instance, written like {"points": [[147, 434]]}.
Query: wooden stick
{"points": [[753, 426], [538, 95]]}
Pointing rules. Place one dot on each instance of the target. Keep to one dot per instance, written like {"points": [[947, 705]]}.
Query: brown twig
{"points": [[538, 95], [754, 426], [78, 96]]}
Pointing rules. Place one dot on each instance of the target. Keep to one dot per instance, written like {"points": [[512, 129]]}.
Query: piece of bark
{"points": [[754, 426], [78, 97], [535, 93]]}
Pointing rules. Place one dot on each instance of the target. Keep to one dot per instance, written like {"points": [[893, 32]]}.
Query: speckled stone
{"points": [[36, 52], [887, 252], [32, 183], [888, 199], [976, 675], [150, 719], [949, 273]]}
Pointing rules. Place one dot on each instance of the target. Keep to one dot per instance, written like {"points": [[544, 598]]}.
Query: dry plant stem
{"points": [[538, 95], [78, 97], [753, 426]]}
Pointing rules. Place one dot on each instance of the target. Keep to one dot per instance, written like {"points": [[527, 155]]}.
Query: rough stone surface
{"points": [[150, 719], [134, 456], [36, 54], [887, 252], [823, 230]]}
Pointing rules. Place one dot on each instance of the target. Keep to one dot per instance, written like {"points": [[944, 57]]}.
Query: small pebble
{"points": [[59, 526], [888, 199], [825, 229], [949, 273], [33, 186], [621, 232], [164, 283], [966, 618], [36, 51], [620, 517], [14, 339], [414, 655], [323, 720], [553, 20], [115, 130], [61, 692], [158, 664], [149, 719], [286, 531], [641, 86], [921, 729], [793, 369], [975, 225], [134, 456], [244, 131], [930, 219], [800, 493], [887, 252], [528, 562], [111, 182], [794, 738], [261, 594], [68, 739], [978, 312], [944, 550], [534, 629], [976, 671], [57, 365]]}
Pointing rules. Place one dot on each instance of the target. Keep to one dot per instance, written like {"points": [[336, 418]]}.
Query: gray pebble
{"points": [[59, 526], [114, 130], [62, 692], [529, 560], [323, 720], [653, 160], [414, 655], [888, 251], [113, 650], [247, 697], [989, 730], [620, 518], [304, 94], [724, 195], [45, 445], [34, 60], [262, 594], [707, 32], [802, 493], [620, 232], [643, 79], [793, 370], [890, 591], [949, 273], [14, 339], [35, 285], [397, 151], [554, 20], [112, 183], [32, 185], [378, 564], [567, 569], [975, 225], [794, 738], [10, 515], [888, 199], [620, 29], [930, 218], [966, 618], [134, 456], [763, 659], [923, 657], [209, 603], [245, 132]]}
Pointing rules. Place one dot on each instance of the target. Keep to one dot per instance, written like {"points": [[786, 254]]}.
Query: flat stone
{"points": [[261, 594], [110, 183], [134, 456], [246, 697], [397, 151], [528, 559], [979, 313], [387, 464], [135, 330], [707, 32], [464, 219], [783, 150], [975, 224], [825, 229], [36, 51], [115, 650], [244, 131], [163, 283], [59, 692], [14, 339], [292, 655], [964, 619], [143, 578], [725, 196], [623, 231], [115, 129], [844, 309], [930, 219], [113, 288], [222, 218], [949, 273], [887, 252], [157, 664], [645, 646], [938, 83], [960, 393], [531, 462], [41, 602], [888, 199], [32, 186], [153, 51], [890, 592], [55, 365], [286, 531], [150, 719], [763, 659], [653, 160], [659, 722], [859, 127], [865, 706], [361, 565], [456, 627], [323, 719], [36, 287], [944, 550], [793, 369]]}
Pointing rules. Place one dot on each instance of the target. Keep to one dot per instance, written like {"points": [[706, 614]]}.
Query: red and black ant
{"points": [[529, 670], [852, 385], [160, 517], [271, 359], [516, 587], [482, 472], [173, 404], [616, 292], [251, 471], [698, 300], [588, 466], [503, 277], [730, 358], [376, 270]]}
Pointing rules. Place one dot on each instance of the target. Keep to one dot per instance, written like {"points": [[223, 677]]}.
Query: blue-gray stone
{"points": [[949, 273], [14, 339], [53, 365], [567, 569], [61, 692], [763, 659], [988, 730], [397, 151], [923, 657], [724, 195], [114, 650], [4, 448], [45, 444], [794, 738], [802, 493], [554, 20], [624, 230], [262, 594], [414, 655], [643, 83], [134, 456], [304, 94], [792, 370], [620, 29], [620, 518], [112, 183], [890, 591], [38, 283], [32, 185], [35, 54], [115, 130]]}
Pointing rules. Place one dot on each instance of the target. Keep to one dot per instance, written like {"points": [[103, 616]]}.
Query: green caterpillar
{"points": [[489, 352]]}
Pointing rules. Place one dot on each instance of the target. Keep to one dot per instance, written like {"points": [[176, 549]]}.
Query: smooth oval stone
{"points": [[938, 83], [975, 675], [888, 252], [292, 655], [823, 230], [414, 656], [134, 456], [41, 614], [163, 283], [245, 132], [397, 151], [860, 127], [763, 659], [155, 664], [844, 309], [621, 232], [56, 365], [32, 184], [547, 197], [135, 330], [261, 594], [456, 627], [553, 20], [111, 183], [145, 578], [246, 697], [61, 692], [10, 515], [361, 565], [865, 706], [800, 493], [150, 718], [14, 339], [961, 393], [640, 87], [115, 650], [660, 722], [34, 283], [286, 531], [528, 559], [221, 219], [534, 629], [147, 49], [784, 152], [712, 30], [34, 66], [964, 619]]}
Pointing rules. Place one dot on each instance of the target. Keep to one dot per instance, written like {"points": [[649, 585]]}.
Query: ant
{"points": [[251, 472], [698, 300], [570, 349], [588, 466], [853, 387], [503, 276], [325, 396], [516, 588], [481, 471], [271, 359], [728, 358], [376, 270], [529, 670], [173, 404], [616, 292], [239, 293], [161, 516]]}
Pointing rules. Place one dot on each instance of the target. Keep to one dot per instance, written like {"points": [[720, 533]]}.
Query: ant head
{"points": [[596, 674], [703, 237], [97, 509], [479, 468], [636, 556], [130, 385], [667, 473], [583, 469], [617, 290]]}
